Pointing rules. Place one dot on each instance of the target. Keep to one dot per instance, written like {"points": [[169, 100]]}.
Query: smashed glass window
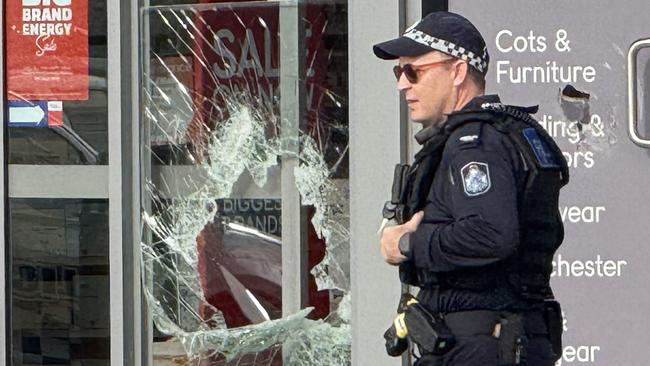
{"points": [[245, 118]]}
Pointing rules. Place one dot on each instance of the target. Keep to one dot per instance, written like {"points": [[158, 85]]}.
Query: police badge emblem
{"points": [[476, 178]]}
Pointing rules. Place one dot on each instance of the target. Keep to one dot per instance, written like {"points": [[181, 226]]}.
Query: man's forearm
{"points": [[471, 242]]}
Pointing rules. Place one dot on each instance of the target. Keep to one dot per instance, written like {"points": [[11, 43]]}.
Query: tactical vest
{"points": [[540, 226]]}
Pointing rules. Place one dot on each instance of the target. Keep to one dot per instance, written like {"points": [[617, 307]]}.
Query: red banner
{"points": [[47, 49]]}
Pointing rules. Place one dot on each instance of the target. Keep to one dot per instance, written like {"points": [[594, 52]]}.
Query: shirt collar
{"points": [[478, 101], [428, 132]]}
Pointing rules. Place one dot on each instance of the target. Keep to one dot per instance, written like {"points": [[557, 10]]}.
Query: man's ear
{"points": [[460, 72]]}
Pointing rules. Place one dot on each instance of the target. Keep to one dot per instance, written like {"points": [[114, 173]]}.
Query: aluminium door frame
{"points": [[4, 213], [294, 251], [127, 320], [111, 182]]}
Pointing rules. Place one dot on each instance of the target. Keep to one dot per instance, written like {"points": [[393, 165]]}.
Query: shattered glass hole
{"points": [[217, 148]]}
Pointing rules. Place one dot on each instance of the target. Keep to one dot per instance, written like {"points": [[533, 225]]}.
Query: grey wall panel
{"points": [[602, 270], [374, 150]]}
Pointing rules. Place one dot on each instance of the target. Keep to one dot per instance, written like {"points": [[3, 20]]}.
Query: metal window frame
{"points": [[294, 232], [123, 184], [142, 348], [116, 252], [292, 108], [5, 310], [118, 183], [26, 181], [143, 167], [18, 181]]}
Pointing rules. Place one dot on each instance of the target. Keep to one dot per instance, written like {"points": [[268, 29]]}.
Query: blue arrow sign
{"points": [[24, 113]]}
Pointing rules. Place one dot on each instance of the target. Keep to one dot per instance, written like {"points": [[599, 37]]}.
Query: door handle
{"points": [[632, 92]]}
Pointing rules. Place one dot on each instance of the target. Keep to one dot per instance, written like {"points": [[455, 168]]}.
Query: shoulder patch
{"points": [[476, 178], [542, 152]]}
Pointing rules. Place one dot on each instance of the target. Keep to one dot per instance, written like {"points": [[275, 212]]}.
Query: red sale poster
{"points": [[47, 49], [241, 45]]}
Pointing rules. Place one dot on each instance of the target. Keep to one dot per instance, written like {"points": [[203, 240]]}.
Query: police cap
{"points": [[442, 31]]}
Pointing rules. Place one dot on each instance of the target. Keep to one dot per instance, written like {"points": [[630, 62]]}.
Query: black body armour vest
{"points": [[540, 226]]}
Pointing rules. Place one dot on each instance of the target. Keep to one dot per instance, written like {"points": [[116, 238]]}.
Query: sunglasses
{"points": [[411, 71]]}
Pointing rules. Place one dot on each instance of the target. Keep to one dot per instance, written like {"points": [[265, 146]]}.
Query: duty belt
{"points": [[487, 322]]}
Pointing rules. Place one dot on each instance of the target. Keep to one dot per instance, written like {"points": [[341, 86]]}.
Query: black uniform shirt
{"points": [[470, 222]]}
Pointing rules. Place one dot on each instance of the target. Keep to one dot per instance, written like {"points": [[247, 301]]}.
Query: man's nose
{"points": [[403, 83]]}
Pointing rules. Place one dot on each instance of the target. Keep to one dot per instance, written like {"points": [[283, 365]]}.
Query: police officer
{"points": [[479, 221]]}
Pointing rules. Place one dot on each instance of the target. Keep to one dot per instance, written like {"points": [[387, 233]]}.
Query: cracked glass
{"points": [[245, 176]]}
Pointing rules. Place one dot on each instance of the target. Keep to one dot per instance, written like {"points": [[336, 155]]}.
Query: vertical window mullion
{"points": [[292, 106], [4, 255], [116, 253]]}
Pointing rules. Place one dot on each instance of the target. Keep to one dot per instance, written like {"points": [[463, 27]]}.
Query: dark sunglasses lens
{"points": [[410, 73], [407, 70], [397, 70]]}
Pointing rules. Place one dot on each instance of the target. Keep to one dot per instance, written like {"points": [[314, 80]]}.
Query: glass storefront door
{"points": [[243, 177], [56, 123], [60, 281], [245, 182]]}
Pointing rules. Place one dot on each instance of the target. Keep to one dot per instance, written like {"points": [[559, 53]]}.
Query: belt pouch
{"points": [[512, 340], [430, 333], [554, 324]]}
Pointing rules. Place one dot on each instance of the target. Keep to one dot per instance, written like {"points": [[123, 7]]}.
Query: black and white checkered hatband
{"points": [[449, 48]]}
